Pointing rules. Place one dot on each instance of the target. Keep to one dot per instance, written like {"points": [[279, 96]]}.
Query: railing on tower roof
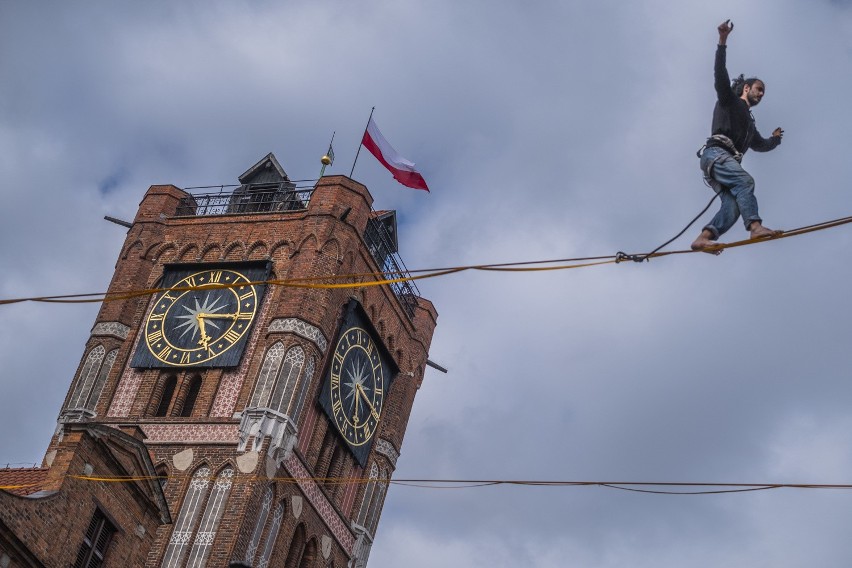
{"points": [[248, 198], [295, 196], [380, 245]]}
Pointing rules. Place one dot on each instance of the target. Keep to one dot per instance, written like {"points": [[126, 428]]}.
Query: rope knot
{"points": [[621, 257]]}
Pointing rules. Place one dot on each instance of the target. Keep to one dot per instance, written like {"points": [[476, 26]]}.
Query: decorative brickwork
{"points": [[232, 381], [303, 328], [191, 433], [386, 449], [113, 328], [320, 503], [128, 385]]}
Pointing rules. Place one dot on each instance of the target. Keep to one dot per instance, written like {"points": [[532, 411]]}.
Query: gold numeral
{"points": [[190, 281], [156, 317], [247, 316], [215, 276], [184, 357], [164, 354], [247, 295], [231, 336], [155, 336], [168, 297]]}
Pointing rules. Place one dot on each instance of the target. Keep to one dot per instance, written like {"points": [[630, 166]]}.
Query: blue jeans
{"points": [[735, 187]]}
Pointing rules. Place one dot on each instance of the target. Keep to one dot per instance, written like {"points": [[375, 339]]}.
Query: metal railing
{"points": [[288, 196], [248, 198], [379, 243]]}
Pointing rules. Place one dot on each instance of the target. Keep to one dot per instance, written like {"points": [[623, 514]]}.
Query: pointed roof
{"points": [[267, 170]]}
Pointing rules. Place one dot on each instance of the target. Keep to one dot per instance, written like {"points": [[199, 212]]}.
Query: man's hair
{"points": [[740, 82]]}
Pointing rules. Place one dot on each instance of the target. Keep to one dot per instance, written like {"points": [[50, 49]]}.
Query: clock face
{"points": [[194, 323], [357, 386]]}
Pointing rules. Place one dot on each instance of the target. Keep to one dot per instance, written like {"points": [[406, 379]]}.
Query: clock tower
{"points": [[271, 399]]}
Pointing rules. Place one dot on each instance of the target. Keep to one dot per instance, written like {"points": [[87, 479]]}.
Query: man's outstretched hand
{"points": [[725, 28], [778, 132]]}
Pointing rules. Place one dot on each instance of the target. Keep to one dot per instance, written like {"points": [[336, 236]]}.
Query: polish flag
{"points": [[403, 170]]}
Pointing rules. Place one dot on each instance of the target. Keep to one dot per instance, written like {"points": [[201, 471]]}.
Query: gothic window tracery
{"points": [[183, 528], [92, 377], [265, 507], [206, 532], [272, 535], [278, 380]]}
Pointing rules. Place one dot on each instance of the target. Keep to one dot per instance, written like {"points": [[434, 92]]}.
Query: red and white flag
{"points": [[402, 169]]}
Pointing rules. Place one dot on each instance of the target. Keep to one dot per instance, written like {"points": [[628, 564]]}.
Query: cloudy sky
{"points": [[546, 130]]}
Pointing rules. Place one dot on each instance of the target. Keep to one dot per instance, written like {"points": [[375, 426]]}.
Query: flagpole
{"points": [[329, 156], [362, 142]]}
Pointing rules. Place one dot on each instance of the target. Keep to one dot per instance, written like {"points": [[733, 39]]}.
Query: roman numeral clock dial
{"points": [[358, 378], [197, 323]]}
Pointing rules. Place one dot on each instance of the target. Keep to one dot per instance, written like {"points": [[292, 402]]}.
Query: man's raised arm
{"points": [[722, 80]]}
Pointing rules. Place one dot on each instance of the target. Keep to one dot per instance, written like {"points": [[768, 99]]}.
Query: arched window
{"points": [[191, 396], [297, 548], [106, 367], [303, 389], [169, 385], [309, 556], [87, 377], [266, 377], [278, 379], [271, 536], [364, 512], [206, 532], [183, 528], [285, 385], [265, 507], [376, 505], [91, 379]]}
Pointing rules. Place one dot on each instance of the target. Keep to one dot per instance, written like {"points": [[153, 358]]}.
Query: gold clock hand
{"points": [[360, 389], [205, 315], [204, 340]]}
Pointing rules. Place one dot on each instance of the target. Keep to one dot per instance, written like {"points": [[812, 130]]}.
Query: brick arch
{"points": [[130, 247], [163, 252], [258, 249], [211, 251], [234, 251], [279, 245], [331, 248], [309, 241], [186, 250], [149, 252], [296, 547]]}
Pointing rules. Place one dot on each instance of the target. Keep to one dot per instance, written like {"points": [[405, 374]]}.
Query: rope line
{"points": [[368, 279], [705, 488]]}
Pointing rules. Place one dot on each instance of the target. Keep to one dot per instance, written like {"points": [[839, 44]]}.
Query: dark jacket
{"points": [[732, 116]]}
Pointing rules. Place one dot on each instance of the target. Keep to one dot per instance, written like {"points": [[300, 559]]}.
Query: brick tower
{"points": [[273, 415]]}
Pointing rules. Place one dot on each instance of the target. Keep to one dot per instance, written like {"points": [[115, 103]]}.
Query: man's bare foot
{"points": [[703, 244], [758, 231]]}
